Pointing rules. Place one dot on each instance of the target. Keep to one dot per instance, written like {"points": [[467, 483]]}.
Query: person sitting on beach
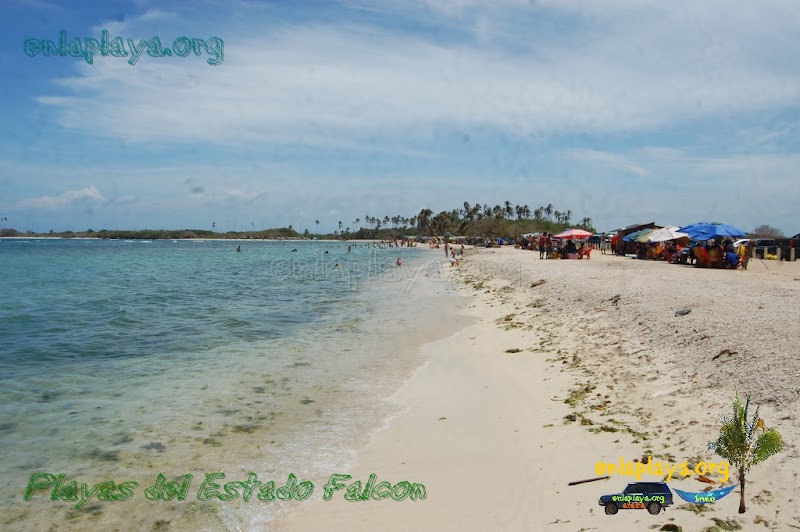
{"points": [[571, 247], [715, 255], [731, 260], [670, 251]]}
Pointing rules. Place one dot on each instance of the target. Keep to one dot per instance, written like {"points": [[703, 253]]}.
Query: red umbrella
{"points": [[573, 233]]}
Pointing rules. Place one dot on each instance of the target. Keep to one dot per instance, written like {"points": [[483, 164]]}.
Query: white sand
{"points": [[484, 429]]}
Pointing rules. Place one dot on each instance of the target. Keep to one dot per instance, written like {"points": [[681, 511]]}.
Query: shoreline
{"points": [[495, 436]]}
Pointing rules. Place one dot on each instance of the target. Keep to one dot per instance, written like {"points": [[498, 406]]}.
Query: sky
{"points": [[623, 111]]}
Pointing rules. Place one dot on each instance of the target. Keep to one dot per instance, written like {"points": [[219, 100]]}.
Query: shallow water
{"points": [[123, 359]]}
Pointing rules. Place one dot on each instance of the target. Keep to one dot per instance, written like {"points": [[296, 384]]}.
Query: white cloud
{"points": [[648, 66], [85, 196]]}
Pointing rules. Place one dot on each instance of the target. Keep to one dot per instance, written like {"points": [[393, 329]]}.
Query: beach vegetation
{"points": [[745, 441], [723, 524], [578, 394]]}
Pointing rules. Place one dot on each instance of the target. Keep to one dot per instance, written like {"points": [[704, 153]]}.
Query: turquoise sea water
{"points": [[123, 359]]}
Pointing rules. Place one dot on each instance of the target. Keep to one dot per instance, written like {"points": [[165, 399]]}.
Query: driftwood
{"points": [[539, 282], [576, 482]]}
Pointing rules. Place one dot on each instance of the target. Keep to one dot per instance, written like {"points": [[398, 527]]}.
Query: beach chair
{"points": [[703, 260]]}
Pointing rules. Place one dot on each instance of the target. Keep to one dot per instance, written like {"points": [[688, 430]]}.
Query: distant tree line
{"points": [[471, 220]]}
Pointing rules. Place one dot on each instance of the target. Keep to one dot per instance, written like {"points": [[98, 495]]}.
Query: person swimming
{"points": [[238, 249], [399, 261]]}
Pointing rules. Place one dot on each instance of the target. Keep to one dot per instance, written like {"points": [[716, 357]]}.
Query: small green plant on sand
{"points": [[745, 442]]}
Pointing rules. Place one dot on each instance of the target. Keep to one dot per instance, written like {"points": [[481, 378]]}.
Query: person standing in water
{"points": [[238, 249]]}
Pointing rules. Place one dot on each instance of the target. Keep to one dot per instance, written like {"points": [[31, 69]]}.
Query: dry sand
{"points": [[486, 428]]}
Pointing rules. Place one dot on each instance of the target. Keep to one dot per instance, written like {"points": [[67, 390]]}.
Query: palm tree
{"points": [[549, 211], [567, 216], [358, 221], [317, 226], [739, 444], [340, 225], [509, 209], [424, 221]]}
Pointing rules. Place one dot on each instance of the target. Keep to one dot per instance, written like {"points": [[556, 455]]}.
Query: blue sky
{"points": [[620, 110]]}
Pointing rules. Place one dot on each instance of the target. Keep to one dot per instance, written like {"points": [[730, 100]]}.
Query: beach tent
{"points": [[633, 228]]}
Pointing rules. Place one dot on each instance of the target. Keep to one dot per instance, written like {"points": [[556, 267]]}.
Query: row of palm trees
{"points": [[458, 220]]}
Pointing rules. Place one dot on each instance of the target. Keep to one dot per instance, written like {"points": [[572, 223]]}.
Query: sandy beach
{"points": [[591, 365]]}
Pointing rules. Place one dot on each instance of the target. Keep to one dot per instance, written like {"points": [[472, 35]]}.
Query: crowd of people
{"points": [[556, 248], [718, 253]]}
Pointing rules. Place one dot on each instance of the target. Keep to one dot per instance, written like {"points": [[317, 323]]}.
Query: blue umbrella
{"points": [[708, 231]]}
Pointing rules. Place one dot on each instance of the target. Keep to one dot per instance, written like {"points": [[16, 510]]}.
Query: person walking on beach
{"points": [[446, 250], [542, 244], [603, 243]]}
